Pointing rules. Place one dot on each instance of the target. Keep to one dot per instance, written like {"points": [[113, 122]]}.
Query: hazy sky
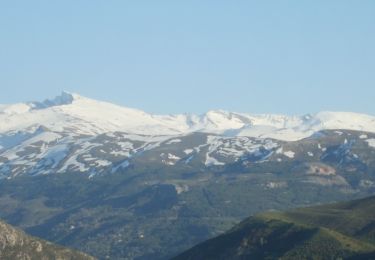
{"points": [[191, 56]]}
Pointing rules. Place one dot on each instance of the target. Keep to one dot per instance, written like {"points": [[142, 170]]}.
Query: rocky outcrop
{"points": [[15, 244]]}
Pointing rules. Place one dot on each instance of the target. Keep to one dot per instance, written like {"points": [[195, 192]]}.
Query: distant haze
{"points": [[289, 57]]}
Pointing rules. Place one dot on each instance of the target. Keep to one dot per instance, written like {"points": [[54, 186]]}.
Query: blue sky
{"points": [[289, 57]]}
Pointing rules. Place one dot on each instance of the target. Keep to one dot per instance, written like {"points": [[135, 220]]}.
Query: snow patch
{"points": [[169, 159], [181, 188], [102, 163], [56, 154], [173, 157], [371, 142], [212, 161], [173, 141], [289, 154], [122, 165], [188, 151], [15, 109], [45, 137]]}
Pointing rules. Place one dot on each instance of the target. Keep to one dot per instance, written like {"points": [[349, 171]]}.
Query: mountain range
{"points": [[73, 113], [79, 134], [120, 183]]}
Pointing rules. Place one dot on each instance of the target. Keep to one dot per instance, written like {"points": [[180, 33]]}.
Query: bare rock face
{"points": [[15, 244]]}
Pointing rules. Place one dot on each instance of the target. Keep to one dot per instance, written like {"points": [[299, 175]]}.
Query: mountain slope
{"points": [[15, 244], [343, 230], [120, 183], [158, 205], [74, 133]]}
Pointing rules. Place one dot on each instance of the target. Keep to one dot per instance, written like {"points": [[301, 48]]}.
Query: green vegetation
{"points": [[155, 211], [334, 231], [15, 244]]}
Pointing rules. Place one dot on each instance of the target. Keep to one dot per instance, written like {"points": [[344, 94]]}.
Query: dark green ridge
{"points": [[334, 231]]}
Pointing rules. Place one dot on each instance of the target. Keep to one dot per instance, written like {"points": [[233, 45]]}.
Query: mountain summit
{"points": [[65, 98], [76, 114]]}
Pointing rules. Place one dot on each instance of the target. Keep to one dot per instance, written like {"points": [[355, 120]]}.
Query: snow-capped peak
{"points": [[65, 98], [80, 115], [223, 120]]}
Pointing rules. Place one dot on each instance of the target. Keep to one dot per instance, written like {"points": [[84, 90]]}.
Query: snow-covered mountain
{"points": [[72, 113], [74, 133]]}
